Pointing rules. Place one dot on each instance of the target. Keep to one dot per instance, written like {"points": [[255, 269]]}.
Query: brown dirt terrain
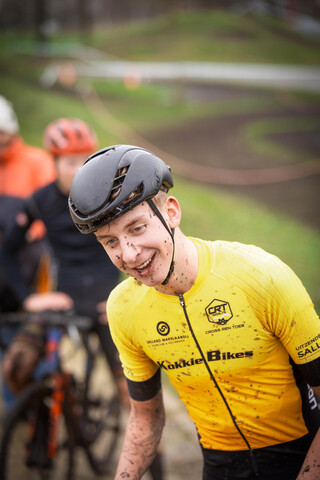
{"points": [[218, 142]]}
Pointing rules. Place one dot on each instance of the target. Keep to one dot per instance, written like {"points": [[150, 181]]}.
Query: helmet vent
{"points": [[134, 195], [117, 186], [118, 181], [76, 210]]}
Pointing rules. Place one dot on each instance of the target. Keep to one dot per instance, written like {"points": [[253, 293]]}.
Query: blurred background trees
{"points": [[46, 16]]}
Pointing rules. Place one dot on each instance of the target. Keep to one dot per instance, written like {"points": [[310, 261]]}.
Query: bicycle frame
{"points": [[68, 402]]}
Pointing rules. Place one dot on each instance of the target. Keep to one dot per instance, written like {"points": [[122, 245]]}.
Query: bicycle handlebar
{"points": [[48, 318]]}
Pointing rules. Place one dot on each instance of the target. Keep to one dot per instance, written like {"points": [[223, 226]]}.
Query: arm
{"points": [[38, 302], [142, 437], [13, 241], [311, 466]]}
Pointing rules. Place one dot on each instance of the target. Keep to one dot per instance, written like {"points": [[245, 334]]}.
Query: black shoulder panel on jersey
{"points": [[307, 375], [311, 372], [142, 391]]}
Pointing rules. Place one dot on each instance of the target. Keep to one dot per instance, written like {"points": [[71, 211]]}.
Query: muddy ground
{"points": [[218, 142]]}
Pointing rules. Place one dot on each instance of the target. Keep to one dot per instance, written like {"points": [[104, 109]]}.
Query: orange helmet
{"points": [[68, 136]]}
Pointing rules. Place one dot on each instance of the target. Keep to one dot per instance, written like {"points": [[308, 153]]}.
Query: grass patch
{"points": [[155, 104], [257, 136], [207, 35], [204, 35], [152, 106]]}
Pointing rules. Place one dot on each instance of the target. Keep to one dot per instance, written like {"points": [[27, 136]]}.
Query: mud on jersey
{"points": [[231, 345]]}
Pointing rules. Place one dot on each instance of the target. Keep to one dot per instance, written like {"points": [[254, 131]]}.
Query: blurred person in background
{"points": [[23, 169]]}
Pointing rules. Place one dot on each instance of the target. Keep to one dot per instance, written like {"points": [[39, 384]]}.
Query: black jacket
{"points": [[80, 260]]}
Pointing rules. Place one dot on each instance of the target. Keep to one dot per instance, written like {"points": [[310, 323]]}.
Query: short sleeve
{"points": [[137, 366], [291, 315]]}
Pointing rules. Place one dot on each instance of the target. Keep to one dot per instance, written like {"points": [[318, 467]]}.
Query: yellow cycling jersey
{"points": [[227, 344]]}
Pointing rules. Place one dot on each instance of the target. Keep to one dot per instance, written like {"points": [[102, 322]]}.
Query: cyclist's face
{"points": [[67, 166], [139, 244]]}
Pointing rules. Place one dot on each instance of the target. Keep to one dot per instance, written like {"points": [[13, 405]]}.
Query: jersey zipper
{"points": [[212, 377]]}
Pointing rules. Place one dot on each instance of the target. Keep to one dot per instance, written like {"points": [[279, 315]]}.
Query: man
{"points": [[23, 169], [230, 324]]}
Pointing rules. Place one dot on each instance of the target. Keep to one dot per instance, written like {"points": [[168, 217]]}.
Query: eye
{"points": [[139, 228], [111, 242]]}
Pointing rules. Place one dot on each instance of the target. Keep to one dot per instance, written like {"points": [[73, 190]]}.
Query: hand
{"points": [[38, 302], [19, 364]]}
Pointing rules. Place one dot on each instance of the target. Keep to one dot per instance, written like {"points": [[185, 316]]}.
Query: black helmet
{"points": [[113, 181]]}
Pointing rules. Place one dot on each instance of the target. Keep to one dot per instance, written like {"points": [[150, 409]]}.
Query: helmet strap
{"points": [[171, 232]]}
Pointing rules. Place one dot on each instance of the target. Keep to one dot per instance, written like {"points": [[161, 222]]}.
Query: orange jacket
{"points": [[24, 169]]}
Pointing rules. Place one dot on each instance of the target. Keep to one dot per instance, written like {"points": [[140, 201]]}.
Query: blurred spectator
{"points": [[23, 169]]}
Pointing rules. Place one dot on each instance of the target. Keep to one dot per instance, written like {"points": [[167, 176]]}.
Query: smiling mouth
{"points": [[144, 266]]}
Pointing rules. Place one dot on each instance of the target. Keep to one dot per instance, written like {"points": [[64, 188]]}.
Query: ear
{"points": [[173, 210]]}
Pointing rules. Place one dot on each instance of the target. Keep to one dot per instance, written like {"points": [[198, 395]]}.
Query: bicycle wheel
{"points": [[100, 427], [22, 455]]}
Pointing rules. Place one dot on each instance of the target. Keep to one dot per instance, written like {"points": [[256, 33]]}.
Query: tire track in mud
{"points": [[203, 173]]}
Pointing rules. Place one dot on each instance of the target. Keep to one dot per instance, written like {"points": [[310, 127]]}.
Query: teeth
{"points": [[144, 264]]}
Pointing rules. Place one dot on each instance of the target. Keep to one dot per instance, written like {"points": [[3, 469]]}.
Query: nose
{"points": [[130, 252]]}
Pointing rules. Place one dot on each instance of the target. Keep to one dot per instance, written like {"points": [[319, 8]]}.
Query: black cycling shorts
{"points": [[278, 462]]}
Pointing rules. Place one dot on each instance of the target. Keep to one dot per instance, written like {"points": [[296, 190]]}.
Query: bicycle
{"points": [[57, 415]]}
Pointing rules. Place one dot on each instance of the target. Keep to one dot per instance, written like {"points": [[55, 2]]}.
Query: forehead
{"points": [[72, 158], [140, 213], [4, 134]]}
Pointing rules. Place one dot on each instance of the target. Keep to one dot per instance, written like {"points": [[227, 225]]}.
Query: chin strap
{"points": [[171, 231]]}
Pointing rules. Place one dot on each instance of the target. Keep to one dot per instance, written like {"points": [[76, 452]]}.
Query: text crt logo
{"points": [[219, 312]]}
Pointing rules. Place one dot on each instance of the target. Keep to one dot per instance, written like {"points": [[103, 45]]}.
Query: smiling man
{"points": [[231, 325]]}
